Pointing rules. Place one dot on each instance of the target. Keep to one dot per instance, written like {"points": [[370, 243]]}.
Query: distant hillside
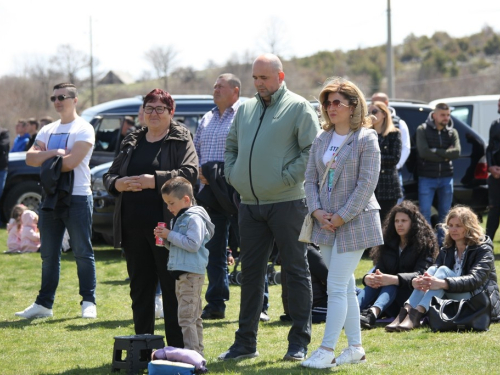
{"points": [[426, 69]]}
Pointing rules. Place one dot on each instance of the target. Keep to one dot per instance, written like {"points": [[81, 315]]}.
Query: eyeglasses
{"points": [[60, 98], [374, 111], [148, 109], [336, 104]]}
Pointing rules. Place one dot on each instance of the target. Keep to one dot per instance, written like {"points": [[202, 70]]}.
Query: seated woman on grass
{"points": [[410, 247], [464, 267]]}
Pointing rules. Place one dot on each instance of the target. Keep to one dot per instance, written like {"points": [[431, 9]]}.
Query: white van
{"points": [[477, 111]]}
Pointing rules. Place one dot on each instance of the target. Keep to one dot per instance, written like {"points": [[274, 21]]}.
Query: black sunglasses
{"points": [[60, 98], [336, 104], [374, 111]]}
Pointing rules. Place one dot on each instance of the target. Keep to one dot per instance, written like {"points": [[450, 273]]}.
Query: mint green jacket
{"points": [[267, 148]]}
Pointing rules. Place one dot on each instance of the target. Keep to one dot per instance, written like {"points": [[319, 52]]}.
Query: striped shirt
{"points": [[210, 138]]}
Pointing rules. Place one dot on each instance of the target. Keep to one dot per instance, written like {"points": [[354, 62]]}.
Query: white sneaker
{"points": [[158, 307], [35, 311], [320, 358], [351, 355], [264, 317], [89, 310]]}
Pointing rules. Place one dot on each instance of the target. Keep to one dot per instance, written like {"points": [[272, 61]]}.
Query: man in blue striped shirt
{"points": [[210, 143]]}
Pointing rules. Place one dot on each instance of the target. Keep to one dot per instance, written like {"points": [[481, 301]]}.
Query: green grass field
{"points": [[67, 344]]}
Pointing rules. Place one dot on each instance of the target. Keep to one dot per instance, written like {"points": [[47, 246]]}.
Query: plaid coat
{"points": [[352, 196]]}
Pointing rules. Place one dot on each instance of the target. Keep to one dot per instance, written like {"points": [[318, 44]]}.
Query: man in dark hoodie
{"points": [[437, 144]]}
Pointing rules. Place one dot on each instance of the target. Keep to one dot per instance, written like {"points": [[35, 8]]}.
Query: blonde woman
{"points": [[345, 211], [388, 190], [464, 267]]}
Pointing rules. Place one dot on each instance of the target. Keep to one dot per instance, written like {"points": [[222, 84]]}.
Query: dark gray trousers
{"points": [[259, 226]]}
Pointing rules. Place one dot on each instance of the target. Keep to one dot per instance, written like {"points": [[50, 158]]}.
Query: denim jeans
{"points": [[421, 298], [79, 225], [218, 280], [382, 297], [427, 188], [343, 307]]}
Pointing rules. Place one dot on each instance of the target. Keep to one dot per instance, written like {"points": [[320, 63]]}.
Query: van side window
{"points": [[463, 113]]}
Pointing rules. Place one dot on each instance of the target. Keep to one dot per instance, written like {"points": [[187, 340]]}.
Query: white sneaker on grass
{"points": [[351, 355], [35, 311], [320, 358], [89, 310]]}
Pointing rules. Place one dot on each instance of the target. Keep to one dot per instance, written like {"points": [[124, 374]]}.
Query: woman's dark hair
{"points": [[161, 95], [420, 237]]}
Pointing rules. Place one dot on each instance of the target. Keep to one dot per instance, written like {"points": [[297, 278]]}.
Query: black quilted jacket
{"points": [[478, 272], [388, 187]]}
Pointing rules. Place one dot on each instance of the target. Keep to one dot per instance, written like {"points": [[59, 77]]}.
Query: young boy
{"points": [[191, 230]]}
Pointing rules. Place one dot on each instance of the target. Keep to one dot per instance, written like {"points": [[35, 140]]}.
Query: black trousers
{"points": [[146, 265], [259, 226], [494, 209]]}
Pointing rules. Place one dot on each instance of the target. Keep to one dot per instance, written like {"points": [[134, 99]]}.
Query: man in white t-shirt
{"points": [[73, 139]]}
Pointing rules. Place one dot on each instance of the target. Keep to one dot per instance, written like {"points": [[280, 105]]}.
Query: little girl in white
{"points": [[30, 236], [14, 229]]}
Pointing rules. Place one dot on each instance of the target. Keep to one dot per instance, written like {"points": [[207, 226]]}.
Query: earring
{"points": [[351, 115]]}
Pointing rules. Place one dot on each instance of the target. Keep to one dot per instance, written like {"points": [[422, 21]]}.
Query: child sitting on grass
{"points": [[188, 259], [30, 235], [14, 227]]}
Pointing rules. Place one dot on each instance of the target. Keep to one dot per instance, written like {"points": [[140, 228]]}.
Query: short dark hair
{"points": [[161, 95], [22, 121], [129, 120], [47, 119], [442, 106], [33, 121], [179, 187], [68, 86]]}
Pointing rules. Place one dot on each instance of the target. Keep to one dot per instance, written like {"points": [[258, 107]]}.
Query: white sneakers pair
{"points": [[322, 358], [35, 310]]}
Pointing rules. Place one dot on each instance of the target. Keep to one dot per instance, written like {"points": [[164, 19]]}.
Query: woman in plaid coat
{"points": [[341, 200]]}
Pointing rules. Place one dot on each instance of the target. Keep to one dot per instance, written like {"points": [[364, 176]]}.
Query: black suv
{"points": [[23, 182]]}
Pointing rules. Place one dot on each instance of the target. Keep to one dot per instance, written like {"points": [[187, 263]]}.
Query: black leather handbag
{"points": [[466, 314]]}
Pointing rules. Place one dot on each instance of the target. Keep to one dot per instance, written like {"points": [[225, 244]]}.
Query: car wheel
{"points": [[28, 193]]}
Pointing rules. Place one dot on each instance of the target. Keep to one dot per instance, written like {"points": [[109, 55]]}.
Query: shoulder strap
{"points": [[333, 158]]}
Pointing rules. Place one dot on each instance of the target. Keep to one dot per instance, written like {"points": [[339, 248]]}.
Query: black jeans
{"points": [[259, 226], [494, 211], [146, 264]]}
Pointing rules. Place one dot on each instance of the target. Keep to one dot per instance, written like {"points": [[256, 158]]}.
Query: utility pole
{"points": [[390, 56], [91, 67]]}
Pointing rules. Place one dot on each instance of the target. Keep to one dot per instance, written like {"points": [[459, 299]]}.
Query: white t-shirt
{"points": [[335, 143], [57, 135]]}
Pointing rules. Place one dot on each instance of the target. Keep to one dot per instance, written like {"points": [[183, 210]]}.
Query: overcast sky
{"points": [[215, 30]]}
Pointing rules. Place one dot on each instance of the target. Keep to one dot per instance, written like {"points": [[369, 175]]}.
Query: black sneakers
{"points": [[367, 319]]}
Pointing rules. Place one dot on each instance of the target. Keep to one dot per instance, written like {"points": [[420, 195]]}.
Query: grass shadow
{"points": [[106, 324], [21, 324], [104, 369]]}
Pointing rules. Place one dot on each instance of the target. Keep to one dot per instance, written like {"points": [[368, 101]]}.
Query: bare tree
{"points": [[70, 61], [163, 60], [274, 38], [40, 72]]}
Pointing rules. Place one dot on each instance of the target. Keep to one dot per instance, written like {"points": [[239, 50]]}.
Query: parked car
{"points": [[477, 111], [470, 173], [23, 182]]}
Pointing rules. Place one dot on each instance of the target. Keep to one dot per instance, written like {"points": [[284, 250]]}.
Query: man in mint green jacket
{"points": [[266, 155]]}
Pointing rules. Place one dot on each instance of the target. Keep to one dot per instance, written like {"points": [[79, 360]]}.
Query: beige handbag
{"points": [[307, 225]]}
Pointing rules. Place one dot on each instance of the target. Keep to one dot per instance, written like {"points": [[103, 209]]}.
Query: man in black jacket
{"points": [[4, 157], [493, 160], [437, 144]]}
